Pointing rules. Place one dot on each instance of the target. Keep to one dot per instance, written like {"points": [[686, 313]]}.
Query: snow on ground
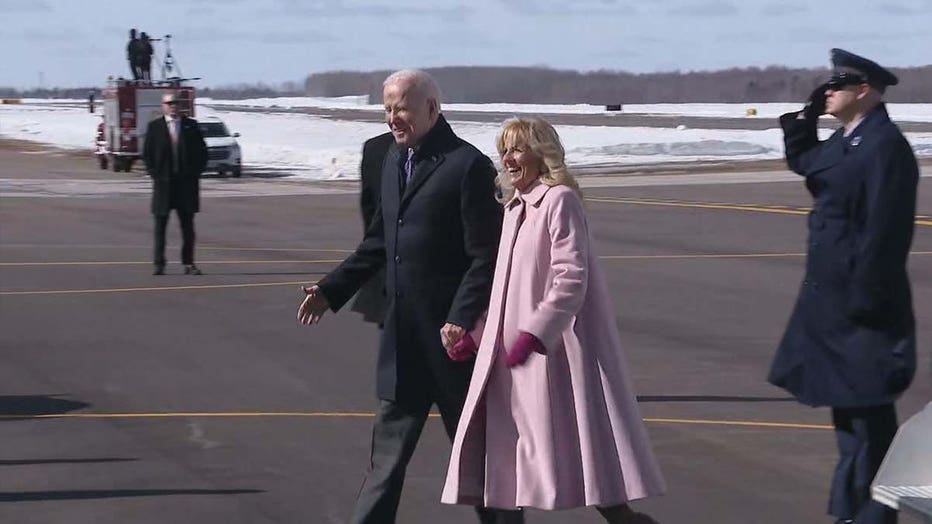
{"points": [[901, 112], [319, 148]]}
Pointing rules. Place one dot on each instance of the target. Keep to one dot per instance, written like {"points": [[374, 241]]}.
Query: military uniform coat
{"points": [[175, 188], [851, 338], [437, 239]]}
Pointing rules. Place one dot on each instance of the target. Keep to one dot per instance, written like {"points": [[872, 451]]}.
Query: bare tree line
{"points": [[550, 86]]}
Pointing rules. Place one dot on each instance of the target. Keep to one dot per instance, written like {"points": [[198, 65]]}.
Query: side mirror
{"points": [[235, 135]]}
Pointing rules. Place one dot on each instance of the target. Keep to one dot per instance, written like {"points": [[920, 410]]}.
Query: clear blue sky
{"points": [[78, 43]]}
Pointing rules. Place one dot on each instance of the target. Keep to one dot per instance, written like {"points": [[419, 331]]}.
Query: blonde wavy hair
{"points": [[543, 141]]}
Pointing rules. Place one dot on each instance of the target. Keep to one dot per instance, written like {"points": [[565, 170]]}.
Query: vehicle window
{"points": [[211, 129]]}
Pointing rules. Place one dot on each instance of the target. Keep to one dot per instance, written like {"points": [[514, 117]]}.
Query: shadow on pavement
{"points": [[14, 406]]}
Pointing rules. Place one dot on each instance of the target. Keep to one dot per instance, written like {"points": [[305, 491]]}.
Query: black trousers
{"points": [[864, 435], [394, 437], [186, 218]]}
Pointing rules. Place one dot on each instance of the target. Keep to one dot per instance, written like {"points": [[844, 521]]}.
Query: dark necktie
{"points": [[409, 167]]}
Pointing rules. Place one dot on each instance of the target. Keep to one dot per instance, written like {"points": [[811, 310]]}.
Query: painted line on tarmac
{"points": [[304, 282], [149, 247], [783, 210], [921, 220], [324, 414], [157, 288], [149, 263], [712, 255], [337, 261]]}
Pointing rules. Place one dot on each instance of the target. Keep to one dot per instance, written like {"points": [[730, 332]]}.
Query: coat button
{"points": [[397, 259], [401, 221]]}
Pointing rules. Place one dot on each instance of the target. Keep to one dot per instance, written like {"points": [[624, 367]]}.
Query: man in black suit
{"points": [[370, 301], [851, 341], [175, 156], [436, 233]]}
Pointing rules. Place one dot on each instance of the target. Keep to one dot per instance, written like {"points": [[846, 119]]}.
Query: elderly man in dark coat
{"points": [[436, 233], [851, 343], [175, 156]]}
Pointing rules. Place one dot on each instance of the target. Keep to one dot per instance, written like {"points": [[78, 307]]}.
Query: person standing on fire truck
{"points": [[175, 156], [132, 52]]}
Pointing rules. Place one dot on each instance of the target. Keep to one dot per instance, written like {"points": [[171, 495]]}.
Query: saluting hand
{"points": [[314, 306], [815, 106]]}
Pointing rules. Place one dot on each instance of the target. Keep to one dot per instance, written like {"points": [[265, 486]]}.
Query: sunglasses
{"points": [[839, 81]]}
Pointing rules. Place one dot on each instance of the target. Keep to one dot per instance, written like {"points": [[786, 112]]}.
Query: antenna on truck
{"points": [[171, 71]]}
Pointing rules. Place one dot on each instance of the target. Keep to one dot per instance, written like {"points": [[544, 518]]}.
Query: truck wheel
{"points": [[102, 160], [117, 164], [128, 165], [237, 172]]}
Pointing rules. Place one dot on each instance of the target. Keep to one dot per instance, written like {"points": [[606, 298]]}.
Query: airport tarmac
{"points": [[133, 398]]}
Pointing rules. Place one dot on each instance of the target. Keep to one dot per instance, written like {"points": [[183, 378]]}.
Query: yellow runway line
{"points": [[304, 282], [686, 256], [149, 247], [702, 205], [921, 220], [149, 263], [712, 255], [158, 288], [324, 414], [745, 423]]}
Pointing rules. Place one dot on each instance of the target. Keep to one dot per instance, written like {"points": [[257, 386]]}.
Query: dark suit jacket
{"points": [[851, 340], [371, 301], [438, 241], [173, 189]]}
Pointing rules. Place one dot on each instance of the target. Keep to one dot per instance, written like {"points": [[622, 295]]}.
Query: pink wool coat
{"points": [[563, 430]]}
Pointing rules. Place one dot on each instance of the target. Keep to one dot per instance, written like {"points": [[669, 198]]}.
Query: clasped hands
{"points": [[465, 348], [459, 344]]}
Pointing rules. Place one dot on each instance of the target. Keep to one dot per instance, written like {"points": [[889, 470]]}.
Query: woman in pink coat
{"points": [[550, 420]]}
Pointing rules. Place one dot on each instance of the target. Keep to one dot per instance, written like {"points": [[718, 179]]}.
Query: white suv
{"points": [[223, 153]]}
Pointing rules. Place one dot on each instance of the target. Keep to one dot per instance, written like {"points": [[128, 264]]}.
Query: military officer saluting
{"points": [[851, 341]]}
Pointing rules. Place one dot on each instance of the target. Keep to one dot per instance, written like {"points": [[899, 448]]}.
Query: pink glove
{"points": [[463, 350], [524, 346]]}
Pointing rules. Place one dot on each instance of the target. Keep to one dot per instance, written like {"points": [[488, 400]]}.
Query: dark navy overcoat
{"points": [[851, 339], [437, 239]]}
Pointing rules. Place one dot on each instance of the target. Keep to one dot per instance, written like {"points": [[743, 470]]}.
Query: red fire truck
{"points": [[128, 107]]}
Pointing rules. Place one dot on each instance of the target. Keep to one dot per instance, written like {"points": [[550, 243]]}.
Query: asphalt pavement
{"points": [[131, 398]]}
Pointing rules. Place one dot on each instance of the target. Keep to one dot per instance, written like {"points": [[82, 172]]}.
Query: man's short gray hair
{"points": [[423, 83]]}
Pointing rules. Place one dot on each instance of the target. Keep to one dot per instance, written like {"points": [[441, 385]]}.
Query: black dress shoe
{"points": [[159, 270], [191, 269]]}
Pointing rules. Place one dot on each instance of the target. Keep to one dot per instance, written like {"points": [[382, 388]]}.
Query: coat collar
{"points": [[533, 195], [871, 120], [428, 156], [433, 142], [838, 145]]}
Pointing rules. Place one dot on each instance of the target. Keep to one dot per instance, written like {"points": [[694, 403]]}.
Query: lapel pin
{"points": [[855, 141]]}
